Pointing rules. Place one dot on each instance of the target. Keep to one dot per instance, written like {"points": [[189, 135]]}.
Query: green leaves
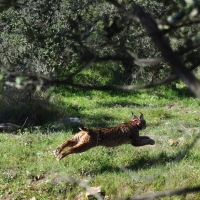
{"points": [[188, 12], [57, 38]]}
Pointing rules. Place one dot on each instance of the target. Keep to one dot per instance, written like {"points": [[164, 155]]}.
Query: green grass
{"points": [[29, 169]]}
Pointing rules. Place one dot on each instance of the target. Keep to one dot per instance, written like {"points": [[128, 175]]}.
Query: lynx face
{"points": [[125, 133], [140, 122]]}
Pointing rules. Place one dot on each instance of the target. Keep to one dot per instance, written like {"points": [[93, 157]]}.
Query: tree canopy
{"points": [[131, 44]]}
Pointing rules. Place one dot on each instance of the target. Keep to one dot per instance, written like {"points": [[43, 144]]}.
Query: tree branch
{"points": [[144, 61], [81, 69], [157, 37], [34, 78]]}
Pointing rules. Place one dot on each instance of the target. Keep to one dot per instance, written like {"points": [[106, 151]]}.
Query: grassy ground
{"points": [[28, 168]]}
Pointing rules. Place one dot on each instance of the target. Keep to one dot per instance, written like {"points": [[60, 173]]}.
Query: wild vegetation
{"points": [[29, 168], [93, 52]]}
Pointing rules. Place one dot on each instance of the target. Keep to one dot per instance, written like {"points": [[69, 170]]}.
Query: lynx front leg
{"points": [[144, 137], [79, 148], [67, 143], [142, 141]]}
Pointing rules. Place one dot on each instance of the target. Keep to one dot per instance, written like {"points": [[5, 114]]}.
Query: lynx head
{"points": [[140, 122]]}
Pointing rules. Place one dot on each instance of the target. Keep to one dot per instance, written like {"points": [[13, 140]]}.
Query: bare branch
{"points": [[113, 58], [34, 78], [144, 61], [127, 87], [50, 82], [169, 79]]}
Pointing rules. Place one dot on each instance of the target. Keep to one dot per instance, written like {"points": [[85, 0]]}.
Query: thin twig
{"points": [[24, 123]]}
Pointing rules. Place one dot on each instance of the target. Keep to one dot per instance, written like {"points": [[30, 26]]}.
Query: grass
{"points": [[29, 169]]}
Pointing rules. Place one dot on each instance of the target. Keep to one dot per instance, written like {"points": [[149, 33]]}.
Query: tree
{"points": [[75, 43]]}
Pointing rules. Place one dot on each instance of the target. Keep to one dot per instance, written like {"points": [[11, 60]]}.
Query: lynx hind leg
{"points": [[67, 143], [78, 148]]}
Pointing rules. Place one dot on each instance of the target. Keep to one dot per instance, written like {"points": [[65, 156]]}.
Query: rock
{"points": [[181, 139], [8, 127], [69, 120], [173, 142], [90, 192], [33, 198]]}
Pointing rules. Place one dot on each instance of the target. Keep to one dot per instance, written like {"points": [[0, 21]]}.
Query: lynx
{"points": [[125, 133]]}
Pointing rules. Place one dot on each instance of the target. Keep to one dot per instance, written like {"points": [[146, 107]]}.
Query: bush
{"points": [[20, 106]]}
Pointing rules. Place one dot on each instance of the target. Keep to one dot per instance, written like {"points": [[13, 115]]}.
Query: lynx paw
{"points": [[57, 151], [152, 142], [59, 157]]}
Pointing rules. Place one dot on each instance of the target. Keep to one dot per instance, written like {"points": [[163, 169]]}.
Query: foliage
{"points": [[61, 39]]}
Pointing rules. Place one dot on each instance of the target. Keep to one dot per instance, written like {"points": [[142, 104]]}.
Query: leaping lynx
{"points": [[125, 133]]}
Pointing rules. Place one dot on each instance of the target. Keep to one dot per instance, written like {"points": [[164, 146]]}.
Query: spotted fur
{"points": [[125, 133]]}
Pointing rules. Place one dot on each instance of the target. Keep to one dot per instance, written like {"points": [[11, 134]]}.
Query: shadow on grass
{"points": [[170, 92], [183, 92], [28, 109], [32, 109], [147, 162], [100, 120], [121, 103], [163, 157]]}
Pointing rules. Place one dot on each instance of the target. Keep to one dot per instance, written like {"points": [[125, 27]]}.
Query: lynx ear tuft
{"points": [[141, 117], [134, 116]]}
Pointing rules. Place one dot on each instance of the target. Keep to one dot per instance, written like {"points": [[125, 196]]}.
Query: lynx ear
{"points": [[81, 128], [133, 116], [141, 117]]}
